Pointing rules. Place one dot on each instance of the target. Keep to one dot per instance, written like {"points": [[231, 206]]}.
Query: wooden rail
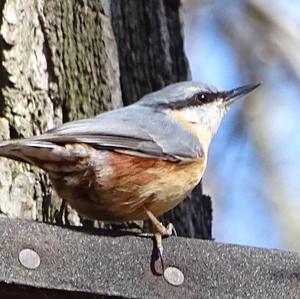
{"points": [[68, 263]]}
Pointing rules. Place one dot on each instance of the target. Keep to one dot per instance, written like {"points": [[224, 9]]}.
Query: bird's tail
{"points": [[44, 153], [25, 150]]}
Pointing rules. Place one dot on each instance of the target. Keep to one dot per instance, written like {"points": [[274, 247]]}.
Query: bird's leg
{"points": [[159, 230], [158, 226], [59, 215]]}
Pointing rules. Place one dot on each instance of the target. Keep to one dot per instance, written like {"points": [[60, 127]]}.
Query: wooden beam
{"points": [[76, 263]]}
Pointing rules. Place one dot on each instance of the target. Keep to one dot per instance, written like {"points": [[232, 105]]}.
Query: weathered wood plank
{"points": [[120, 265]]}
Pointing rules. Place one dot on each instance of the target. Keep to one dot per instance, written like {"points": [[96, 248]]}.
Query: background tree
{"points": [[65, 60], [254, 166]]}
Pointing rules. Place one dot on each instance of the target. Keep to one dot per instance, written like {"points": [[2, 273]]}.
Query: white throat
{"points": [[207, 116]]}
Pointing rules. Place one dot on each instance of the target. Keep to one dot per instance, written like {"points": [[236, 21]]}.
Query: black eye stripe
{"points": [[196, 100], [206, 97]]}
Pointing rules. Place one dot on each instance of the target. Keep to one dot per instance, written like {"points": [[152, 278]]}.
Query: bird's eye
{"points": [[203, 97]]}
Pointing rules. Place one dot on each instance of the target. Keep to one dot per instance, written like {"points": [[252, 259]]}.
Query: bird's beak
{"points": [[234, 94]]}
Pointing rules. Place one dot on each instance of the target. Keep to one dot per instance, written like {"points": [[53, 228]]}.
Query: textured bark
{"points": [[60, 61], [151, 55], [150, 45]]}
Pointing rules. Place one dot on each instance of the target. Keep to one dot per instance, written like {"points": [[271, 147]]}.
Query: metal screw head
{"points": [[29, 258], [174, 276]]}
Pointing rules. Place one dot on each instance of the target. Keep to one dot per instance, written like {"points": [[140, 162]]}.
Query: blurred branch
{"points": [[276, 189], [266, 37], [283, 33]]}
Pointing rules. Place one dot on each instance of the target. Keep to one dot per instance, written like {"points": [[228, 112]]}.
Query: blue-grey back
{"points": [[136, 127]]}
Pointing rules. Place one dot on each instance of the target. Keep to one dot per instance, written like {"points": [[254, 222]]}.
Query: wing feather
{"points": [[136, 130]]}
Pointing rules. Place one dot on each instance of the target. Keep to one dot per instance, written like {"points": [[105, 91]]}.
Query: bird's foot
{"points": [[167, 231], [59, 216], [160, 231], [170, 230], [158, 235]]}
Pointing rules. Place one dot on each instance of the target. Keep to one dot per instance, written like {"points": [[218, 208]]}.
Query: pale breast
{"points": [[115, 187], [172, 186]]}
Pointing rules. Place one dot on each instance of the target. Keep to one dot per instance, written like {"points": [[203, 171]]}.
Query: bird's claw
{"points": [[160, 255], [170, 230]]}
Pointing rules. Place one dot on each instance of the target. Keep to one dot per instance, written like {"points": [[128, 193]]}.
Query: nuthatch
{"points": [[136, 162]]}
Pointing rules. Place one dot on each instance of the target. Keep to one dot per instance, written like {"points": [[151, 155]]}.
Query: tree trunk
{"points": [[65, 60]]}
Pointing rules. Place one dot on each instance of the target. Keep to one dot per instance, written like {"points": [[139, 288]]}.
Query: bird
{"points": [[136, 162]]}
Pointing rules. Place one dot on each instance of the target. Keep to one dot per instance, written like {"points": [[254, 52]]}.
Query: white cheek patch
{"points": [[208, 115], [201, 113], [192, 114]]}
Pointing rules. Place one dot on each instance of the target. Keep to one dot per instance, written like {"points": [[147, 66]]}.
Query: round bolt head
{"points": [[29, 258], [174, 276]]}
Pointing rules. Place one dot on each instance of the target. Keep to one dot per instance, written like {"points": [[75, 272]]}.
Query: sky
{"points": [[243, 210]]}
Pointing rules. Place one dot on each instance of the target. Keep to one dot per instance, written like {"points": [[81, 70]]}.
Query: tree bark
{"points": [[65, 60]]}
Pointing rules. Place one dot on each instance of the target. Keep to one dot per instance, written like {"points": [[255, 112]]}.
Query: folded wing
{"points": [[133, 130]]}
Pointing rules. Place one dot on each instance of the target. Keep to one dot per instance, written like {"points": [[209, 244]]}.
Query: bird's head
{"points": [[199, 104]]}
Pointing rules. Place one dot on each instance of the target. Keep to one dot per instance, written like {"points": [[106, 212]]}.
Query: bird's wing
{"points": [[134, 130]]}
